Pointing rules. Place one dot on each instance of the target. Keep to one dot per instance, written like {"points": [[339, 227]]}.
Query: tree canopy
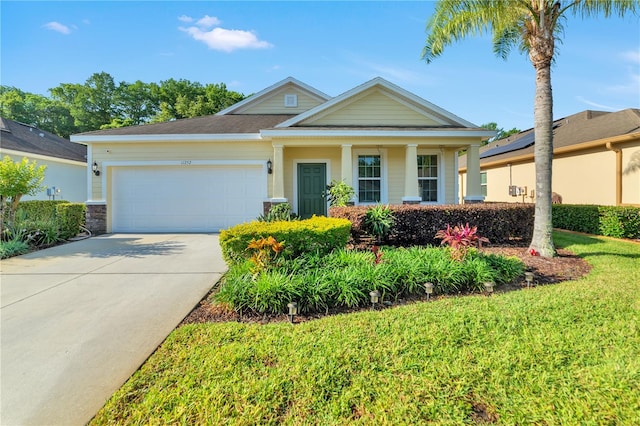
{"points": [[101, 103], [18, 178]]}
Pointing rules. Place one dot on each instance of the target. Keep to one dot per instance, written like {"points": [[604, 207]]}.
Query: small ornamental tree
{"points": [[17, 179]]}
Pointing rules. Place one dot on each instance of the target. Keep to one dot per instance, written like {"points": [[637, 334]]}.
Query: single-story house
{"points": [[285, 143], [66, 173], [596, 160]]}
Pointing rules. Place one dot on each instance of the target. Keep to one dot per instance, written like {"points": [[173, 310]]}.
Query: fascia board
{"points": [[43, 157], [376, 133], [166, 138], [274, 87]]}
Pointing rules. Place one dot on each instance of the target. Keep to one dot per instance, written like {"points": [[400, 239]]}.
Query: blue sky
{"points": [[332, 46]]}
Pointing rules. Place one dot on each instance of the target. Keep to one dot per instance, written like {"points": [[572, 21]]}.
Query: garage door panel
{"points": [[185, 199]]}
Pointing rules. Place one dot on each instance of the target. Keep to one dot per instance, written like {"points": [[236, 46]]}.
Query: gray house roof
{"points": [[21, 137], [575, 129], [209, 124]]}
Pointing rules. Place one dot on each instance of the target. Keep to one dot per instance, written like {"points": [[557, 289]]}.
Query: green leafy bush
{"points": [[70, 217], [317, 234], [378, 221], [278, 212], [12, 248], [610, 221], [40, 209], [344, 278], [340, 194]]}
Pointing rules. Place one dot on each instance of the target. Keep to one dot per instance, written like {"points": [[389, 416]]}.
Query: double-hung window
{"points": [[369, 178], [428, 178], [483, 183]]}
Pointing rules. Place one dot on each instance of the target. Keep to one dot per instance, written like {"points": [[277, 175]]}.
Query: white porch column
{"points": [[411, 189], [347, 165], [278, 174], [474, 189]]}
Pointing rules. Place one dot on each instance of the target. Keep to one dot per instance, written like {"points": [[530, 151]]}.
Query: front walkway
{"points": [[78, 319]]}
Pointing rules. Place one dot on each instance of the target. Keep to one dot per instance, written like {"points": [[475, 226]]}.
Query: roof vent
{"points": [[41, 135], [291, 101]]}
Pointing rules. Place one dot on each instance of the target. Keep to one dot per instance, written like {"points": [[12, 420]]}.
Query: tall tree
{"points": [[500, 132], [533, 26]]}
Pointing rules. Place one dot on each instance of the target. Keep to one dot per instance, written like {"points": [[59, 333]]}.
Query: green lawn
{"points": [[560, 354]]}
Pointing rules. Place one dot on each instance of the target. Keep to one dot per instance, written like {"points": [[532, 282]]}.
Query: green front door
{"points": [[312, 183]]}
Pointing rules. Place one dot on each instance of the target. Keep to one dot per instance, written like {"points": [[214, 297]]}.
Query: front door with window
{"points": [[312, 183]]}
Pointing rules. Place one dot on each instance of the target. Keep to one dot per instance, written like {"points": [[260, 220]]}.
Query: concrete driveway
{"points": [[78, 319]]}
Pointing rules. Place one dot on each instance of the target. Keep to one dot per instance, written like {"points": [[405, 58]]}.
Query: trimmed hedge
{"points": [[506, 223], [318, 234], [40, 209], [70, 217], [610, 221]]}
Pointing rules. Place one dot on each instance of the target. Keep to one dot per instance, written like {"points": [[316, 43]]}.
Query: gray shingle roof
{"points": [[582, 127], [22, 137], [209, 124]]}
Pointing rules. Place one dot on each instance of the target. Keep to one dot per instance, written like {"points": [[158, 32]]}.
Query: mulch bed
{"points": [[564, 267]]}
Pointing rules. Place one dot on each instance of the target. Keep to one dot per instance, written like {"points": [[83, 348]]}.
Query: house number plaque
{"points": [[185, 162]]}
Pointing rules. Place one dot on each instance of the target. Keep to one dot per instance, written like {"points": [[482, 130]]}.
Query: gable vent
{"points": [[290, 101]]}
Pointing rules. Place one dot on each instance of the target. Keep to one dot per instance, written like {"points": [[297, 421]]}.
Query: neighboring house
{"points": [[283, 144], [596, 160], [66, 161]]}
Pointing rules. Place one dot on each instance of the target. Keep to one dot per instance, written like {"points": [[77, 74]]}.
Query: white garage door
{"points": [[185, 199]]}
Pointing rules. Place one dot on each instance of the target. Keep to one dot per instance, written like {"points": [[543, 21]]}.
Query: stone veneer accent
{"points": [[96, 218]]}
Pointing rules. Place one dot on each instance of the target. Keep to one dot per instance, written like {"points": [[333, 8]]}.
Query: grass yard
{"points": [[557, 354]]}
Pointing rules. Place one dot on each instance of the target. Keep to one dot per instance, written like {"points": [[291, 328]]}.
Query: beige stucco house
{"points": [[66, 174], [596, 160], [283, 144]]}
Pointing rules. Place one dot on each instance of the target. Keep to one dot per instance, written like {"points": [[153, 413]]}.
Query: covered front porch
{"points": [[381, 171]]}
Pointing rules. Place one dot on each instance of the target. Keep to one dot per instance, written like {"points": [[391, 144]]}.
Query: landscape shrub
{"points": [[12, 248], [378, 221], [610, 221], [278, 212], [501, 223], [40, 209], [317, 234], [344, 278], [579, 218], [70, 218]]}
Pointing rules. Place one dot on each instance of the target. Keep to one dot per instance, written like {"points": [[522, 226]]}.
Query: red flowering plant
{"points": [[460, 238]]}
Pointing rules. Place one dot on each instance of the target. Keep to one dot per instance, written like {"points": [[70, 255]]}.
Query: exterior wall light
{"points": [[269, 166], [375, 298], [293, 311], [528, 276], [428, 287], [95, 170], [488, 286]]}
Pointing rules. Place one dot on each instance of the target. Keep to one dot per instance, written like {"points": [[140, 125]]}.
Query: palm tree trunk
{"points": [[542, 241]]}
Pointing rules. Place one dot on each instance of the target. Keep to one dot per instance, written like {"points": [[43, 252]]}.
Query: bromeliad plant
{"points": [[459, 239], [265, 253]]}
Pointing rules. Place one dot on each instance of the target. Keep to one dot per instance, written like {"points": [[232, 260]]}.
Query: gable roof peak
{"points": [[261, 94]]}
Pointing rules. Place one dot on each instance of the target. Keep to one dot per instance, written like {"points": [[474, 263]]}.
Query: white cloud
{"points": [[58, 27], [226, 40], [185, 18], [208, 21], [631, 56], [596, 105]]}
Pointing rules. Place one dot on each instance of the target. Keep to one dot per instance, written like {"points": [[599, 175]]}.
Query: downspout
{"points": [[618, 152]]}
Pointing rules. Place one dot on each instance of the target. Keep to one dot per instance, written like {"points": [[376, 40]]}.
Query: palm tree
{"points": [[533, 26]]}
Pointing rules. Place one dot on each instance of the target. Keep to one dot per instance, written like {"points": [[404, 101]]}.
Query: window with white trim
{"points": [[428, 178], [483, 183], [369, 178]]}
